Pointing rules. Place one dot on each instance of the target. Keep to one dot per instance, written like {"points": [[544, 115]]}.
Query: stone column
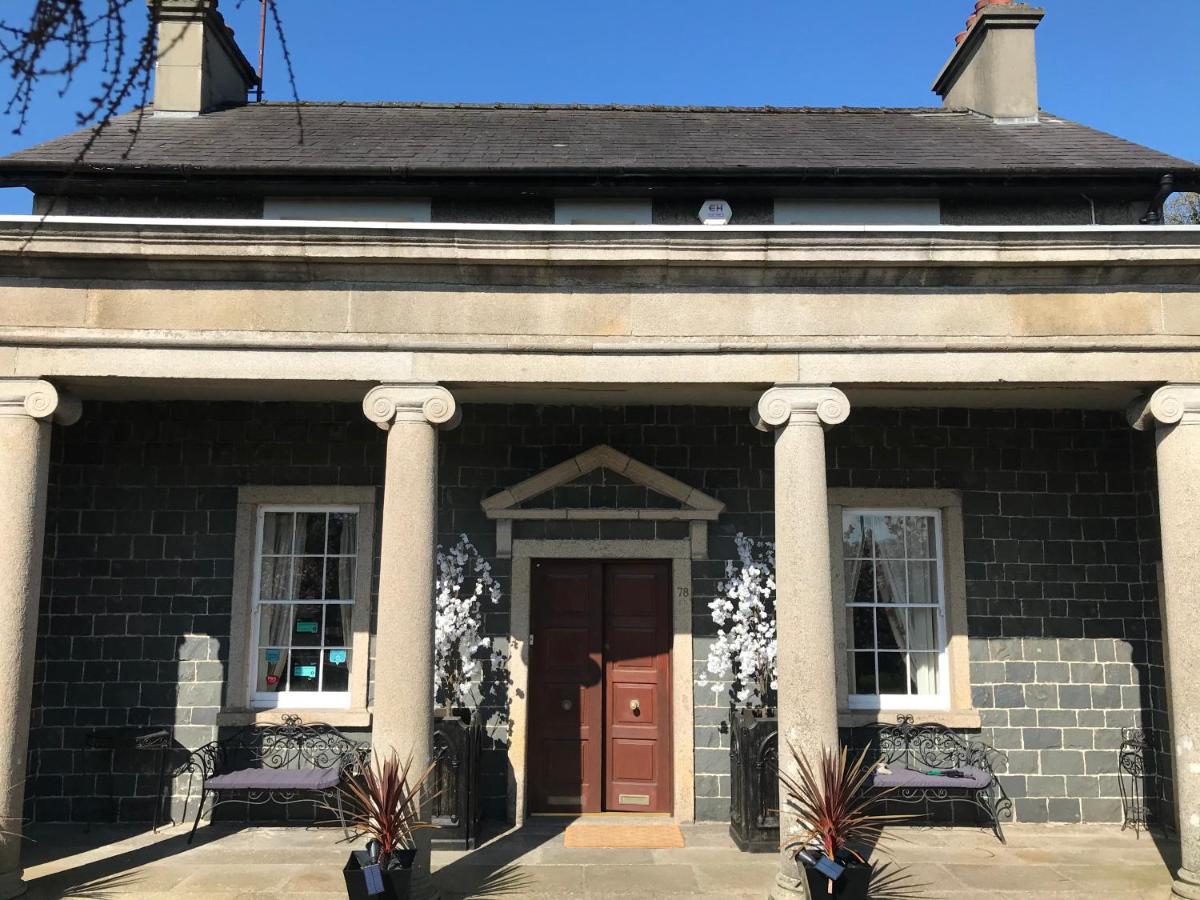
{"points": [[805, 616], [27, 407], [1174, 411], [403, 701]]}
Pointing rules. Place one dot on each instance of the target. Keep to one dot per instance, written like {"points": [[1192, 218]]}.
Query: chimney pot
{"points": [[993, 69]]}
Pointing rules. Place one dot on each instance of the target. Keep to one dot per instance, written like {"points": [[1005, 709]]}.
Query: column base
{"points": [[1187, 885], [12, 885], [788, 888], [791, 881]]}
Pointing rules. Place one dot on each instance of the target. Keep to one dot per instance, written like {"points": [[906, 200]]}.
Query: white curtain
{"points": [[891, 569]]}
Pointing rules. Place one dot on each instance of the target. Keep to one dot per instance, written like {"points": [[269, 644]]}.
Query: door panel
{"points": [[599, 687], [566, 690], [637, 676]]}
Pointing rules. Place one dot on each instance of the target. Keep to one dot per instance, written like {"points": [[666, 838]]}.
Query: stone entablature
{"points": [[462, 306]]}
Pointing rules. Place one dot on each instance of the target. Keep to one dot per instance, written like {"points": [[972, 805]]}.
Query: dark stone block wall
{"points": [[137, 578], [1060, 535], [1061, 556]]}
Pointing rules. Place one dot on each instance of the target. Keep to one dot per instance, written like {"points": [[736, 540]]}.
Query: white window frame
{"points": [[254, 502], [940, 700], [956, 709], [294, 699], [635, 211]]}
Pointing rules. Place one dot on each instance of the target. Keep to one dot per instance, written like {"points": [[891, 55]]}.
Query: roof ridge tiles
{"points": [[598, 107]]}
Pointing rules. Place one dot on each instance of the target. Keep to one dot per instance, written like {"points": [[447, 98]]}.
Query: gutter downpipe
{"points": [[1155, 214]]}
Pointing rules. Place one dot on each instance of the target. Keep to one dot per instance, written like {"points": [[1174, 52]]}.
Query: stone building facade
{"points": [[240, 404]]}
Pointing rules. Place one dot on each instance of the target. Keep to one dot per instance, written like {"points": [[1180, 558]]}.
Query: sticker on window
{"points": [[305, 627], [305, 672], [337, 657], [272, 679], [272, 656]]}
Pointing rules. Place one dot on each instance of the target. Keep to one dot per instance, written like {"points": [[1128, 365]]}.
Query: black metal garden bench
{"points": [[286, 763], [928, 763]]}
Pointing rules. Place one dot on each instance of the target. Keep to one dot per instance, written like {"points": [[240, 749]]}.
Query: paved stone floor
{"points": [[1066, 863]]}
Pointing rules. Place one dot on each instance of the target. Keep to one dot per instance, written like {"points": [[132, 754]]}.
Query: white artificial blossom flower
{"points": [[742, 658], [462, 580]]}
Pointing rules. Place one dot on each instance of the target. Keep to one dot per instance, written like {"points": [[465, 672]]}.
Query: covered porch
{"points": [[960, 382]]}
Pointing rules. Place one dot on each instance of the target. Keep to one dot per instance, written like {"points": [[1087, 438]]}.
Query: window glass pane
{"points": [[310, 572], [336, 676], [892, 673], [852, 536], [888, 535], [274, 625], [918, 537], [924, 673], [862, 633], [890, 581], [277, 532], [860, 581], [305, 670], [310, 532], [308, 626], [922, 582], [272, 670], [342, 533], [274, 578], [339, 578], [862, 673], [923, 630], [337, 624], [890, 627]]}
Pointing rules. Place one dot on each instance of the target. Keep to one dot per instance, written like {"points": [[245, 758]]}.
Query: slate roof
{"points": [[398, 140]]}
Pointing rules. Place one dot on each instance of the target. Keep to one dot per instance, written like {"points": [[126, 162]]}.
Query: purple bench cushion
{"points": [[904, 777], [275, 780]]}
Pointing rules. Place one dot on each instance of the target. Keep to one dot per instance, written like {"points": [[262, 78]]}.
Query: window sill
{"points": [[951, 718], [339, 718]]}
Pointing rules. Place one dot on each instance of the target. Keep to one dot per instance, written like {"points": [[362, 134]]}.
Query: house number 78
{"points": [[683, 592]]}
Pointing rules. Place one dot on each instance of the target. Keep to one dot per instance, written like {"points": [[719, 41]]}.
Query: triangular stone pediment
{"points": [[664, 496]]}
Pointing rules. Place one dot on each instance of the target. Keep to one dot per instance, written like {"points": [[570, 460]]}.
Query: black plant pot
{"points": [[456, 781], [854, 883], [754, 770], [396, 872]]}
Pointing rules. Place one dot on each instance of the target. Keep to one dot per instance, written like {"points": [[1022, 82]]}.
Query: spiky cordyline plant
{"points": [[834, 806], [384, 804]]}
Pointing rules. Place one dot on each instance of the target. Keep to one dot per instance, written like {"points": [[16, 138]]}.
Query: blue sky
{"points": [[1124, 66]]}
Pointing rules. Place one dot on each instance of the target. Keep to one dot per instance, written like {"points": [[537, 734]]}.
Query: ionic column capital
{"points": [[800, 404], [38, 399], [1174, 404], [432, 404]]}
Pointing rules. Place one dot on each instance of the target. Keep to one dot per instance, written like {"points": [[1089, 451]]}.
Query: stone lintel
{"points": [[800, 404], [388, 404], [1174, 404], [38, 399]]}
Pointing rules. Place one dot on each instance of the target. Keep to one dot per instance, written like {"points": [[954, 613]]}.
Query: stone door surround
{"points": [[695, 507], [524, 552]]}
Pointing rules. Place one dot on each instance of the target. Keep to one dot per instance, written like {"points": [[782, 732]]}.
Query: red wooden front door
{"points": [[599, 687]]}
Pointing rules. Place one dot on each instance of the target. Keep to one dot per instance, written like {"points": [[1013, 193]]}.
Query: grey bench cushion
{"points": [[904, 777], [275, 780]]}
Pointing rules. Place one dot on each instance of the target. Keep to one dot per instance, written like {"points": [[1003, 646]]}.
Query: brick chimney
{"points": [[993, 71], [199, 65]]}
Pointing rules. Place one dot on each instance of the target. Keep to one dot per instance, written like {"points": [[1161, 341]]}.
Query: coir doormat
{"points": [[585, 836]]}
